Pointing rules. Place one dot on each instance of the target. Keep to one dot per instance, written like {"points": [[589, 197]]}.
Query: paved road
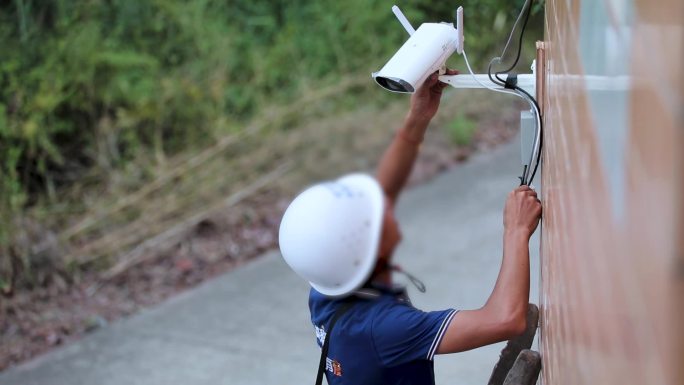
{"points": [[251, 325]]}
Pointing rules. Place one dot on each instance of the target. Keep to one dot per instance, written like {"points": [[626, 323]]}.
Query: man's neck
{"points": [[382, 274]]}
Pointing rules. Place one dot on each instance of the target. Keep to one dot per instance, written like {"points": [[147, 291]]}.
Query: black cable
{"points": [[541, 133], [489, 73], [539, 152], [522, 177], [504, 83], [522, 33], [500, 81]]}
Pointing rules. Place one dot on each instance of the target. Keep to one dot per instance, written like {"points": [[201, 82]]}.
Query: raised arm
{"points": [[503, 316], [397, 161]]}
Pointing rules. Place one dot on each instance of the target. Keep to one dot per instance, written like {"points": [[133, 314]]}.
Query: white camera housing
{"points": [[425, 52]]}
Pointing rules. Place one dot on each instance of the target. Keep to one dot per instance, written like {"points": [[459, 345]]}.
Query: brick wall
{"points": [[611, 185]]}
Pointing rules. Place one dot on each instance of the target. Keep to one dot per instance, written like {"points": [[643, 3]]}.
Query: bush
{"points": [[87, 87], [461, 130]]}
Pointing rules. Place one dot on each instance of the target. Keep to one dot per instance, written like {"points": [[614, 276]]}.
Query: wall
{"points": [[612, 190]]}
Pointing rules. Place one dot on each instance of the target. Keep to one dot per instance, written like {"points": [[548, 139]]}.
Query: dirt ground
{"points": [[33, 322]]}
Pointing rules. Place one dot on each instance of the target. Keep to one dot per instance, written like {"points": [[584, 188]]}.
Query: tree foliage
{"points": [[91, 86]]}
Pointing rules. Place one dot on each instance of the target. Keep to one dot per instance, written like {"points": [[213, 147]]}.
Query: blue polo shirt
{"points": [[382, 339]]}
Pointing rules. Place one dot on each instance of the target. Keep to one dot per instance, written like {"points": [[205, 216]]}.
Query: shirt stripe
{"points": [[440, 334]]}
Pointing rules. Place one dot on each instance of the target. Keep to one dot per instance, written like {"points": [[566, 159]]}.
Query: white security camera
{"points": [[425, 52]]}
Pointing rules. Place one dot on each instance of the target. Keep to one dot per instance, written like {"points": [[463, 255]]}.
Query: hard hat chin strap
{"points": [[383, 265], [415, 281]]}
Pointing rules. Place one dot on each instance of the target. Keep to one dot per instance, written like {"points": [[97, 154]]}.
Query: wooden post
{"points": [[540, 76]]}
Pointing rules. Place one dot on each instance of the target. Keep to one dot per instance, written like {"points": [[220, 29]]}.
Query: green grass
{"points": [[461, 130]]}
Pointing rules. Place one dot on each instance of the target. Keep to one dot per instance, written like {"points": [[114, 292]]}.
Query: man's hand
{"points": [[522, 211], [397, 161], [425, 101], [503, 316]]}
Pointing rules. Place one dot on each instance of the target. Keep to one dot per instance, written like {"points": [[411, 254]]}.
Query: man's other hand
{"points": [[503, 315], [522, 211], [425, 101]]}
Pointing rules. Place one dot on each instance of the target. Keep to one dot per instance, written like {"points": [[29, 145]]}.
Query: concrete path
{"points": [[251, 326]]}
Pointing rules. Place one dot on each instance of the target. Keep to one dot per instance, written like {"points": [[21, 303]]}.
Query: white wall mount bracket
{"points": [[525, 81]]}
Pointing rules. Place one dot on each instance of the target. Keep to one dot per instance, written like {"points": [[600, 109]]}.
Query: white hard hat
{"points": [[330, 233]]}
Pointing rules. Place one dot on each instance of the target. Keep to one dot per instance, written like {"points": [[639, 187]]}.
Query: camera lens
{"points": [[394, 85]]}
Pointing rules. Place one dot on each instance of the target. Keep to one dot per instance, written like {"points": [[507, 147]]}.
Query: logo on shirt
{"points": [[320, 334], [333, 366]]}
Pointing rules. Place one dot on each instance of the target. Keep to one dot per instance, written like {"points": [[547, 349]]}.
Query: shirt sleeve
{"points": [[402, 333]]}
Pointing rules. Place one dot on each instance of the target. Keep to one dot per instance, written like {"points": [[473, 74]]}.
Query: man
{"points": [[340, 236]]}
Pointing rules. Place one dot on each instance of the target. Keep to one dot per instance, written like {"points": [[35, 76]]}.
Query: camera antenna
{"points": [[403, 20], [459, 30]]}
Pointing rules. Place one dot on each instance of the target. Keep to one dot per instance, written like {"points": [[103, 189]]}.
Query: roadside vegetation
{"points": [[461, 130], [124, 124]]}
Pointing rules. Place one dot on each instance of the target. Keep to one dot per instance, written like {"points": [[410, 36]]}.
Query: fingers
{"points": [[448, 72], [435, 85], [432, 82], [429, 84], [525, 188], [432, 79], [526, 191]]}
